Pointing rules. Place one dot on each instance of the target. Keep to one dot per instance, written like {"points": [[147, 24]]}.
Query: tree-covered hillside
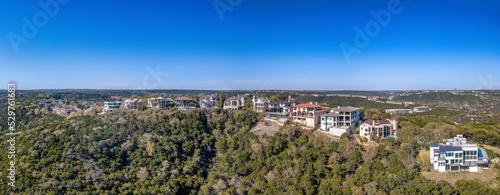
{"points": [[206, 152]]}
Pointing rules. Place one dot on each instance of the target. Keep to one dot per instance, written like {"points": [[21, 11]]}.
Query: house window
{"points": [[449, 154], [452, 161], [441, 163]]}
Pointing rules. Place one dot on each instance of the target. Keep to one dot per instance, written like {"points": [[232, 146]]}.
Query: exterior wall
{"points": [[111, 105], [259, 104], [209, 101], [385, 130], [335, 131], [159, 103]]}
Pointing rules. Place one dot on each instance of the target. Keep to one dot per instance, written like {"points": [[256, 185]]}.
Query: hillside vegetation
{"points": [[207, 152]]}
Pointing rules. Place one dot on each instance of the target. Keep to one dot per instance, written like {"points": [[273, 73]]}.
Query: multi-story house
{"points": [[340, 120], [209, 101], [279, 108], [456, 154], [185, 103], [259, 103], [378, 129], [131, 103], [111, 105], [235, 102], [159, 102], [307, 114]]}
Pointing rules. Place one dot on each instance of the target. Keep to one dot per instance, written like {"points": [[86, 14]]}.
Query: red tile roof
{"points": [[307, 106], [378, 122]]}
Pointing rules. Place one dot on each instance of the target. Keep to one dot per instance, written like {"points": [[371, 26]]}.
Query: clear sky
{"points": [[251, 44]]}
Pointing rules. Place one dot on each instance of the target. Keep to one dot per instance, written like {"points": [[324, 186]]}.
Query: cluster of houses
{"points": [[333, 121], [58, 109], [457, 154], [477, 117], [182, 103]]}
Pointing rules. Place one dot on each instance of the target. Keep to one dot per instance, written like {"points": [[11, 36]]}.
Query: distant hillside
{"points": [[348, 101], [439, 96]]}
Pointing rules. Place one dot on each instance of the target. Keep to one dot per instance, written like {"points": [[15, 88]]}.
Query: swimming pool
{"points": [[479, 153], [394, 137]]}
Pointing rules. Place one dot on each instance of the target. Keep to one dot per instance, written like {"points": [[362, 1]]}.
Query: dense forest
{"points": [[207, 152]]}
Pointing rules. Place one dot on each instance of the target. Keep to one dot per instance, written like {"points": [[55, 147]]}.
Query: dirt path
{"points": [[452, 177]]}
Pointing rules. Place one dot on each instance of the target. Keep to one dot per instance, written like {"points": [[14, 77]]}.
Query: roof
{"points": [[307, 106], [183, 98], [434, 145], [280, 102], [378, 122], [161, 98], [331, 114], [325, 107], [320, 111], [446, 148], [232, 98], [134, 100], [346, 109]]}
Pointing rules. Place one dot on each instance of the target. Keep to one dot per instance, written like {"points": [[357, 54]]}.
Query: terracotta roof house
{"points": [[379, 129], [306, 114], [185, 103]]}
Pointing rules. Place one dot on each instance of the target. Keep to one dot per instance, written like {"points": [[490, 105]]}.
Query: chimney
{"points": [[316, 103], [373, 122], [338, 107], [310, 102]]}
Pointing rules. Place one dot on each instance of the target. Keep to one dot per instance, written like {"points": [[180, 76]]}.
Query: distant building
{"points": [[340, 120], [116, 97], [399, 111], [457, 155], [235, 102], [259, 103], [111, 105], [307, 114], [131, 103], [88, 103], [380, 128], [421, 109], [185, 103], [293, 101], [209, 101], [48, 106], [159, 102]]}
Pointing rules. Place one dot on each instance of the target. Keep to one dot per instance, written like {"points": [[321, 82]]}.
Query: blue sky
{"points": [[258, 45]]}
